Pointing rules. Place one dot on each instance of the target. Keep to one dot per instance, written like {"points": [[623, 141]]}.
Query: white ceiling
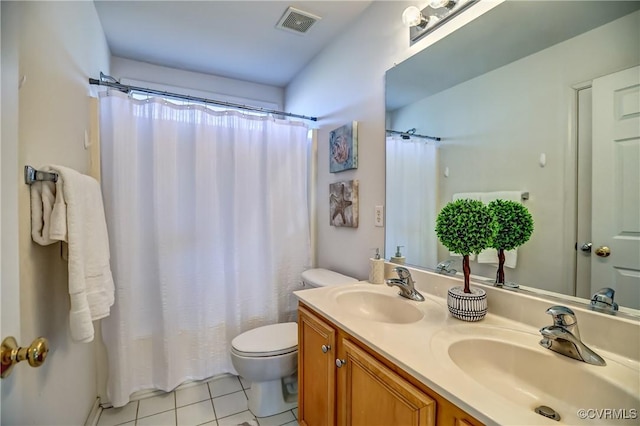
{"points": [[235, 39]]}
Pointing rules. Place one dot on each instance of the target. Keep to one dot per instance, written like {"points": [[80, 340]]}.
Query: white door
{"points": [[616, 185]]}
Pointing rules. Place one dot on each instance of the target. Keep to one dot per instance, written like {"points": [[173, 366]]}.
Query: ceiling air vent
{"points": [[297, 21]]}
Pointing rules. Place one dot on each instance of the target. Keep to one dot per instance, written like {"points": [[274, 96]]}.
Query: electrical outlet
{"points": [[379, 218]]}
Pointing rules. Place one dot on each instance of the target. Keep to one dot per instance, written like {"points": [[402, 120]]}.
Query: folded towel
{"points": [[488, 197], [491, 255], [77, 217], [42, 201], [58, 229]]}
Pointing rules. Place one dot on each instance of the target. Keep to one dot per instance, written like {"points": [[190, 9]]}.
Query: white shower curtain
{"points": [[209, 233], [412, 199]]}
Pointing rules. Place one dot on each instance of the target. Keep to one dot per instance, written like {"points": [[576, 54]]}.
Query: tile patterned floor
{"points": [[222, 401]]}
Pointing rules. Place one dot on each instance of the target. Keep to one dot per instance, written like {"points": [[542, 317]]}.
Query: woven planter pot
{"points": [[467, 306]]}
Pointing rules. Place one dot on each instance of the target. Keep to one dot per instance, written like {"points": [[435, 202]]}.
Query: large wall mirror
{"points": [[535, 97]]}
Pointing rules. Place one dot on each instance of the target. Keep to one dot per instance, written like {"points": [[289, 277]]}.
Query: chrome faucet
{"points": [[563, 337], [405, 283], [602, 301], [444, 267]]}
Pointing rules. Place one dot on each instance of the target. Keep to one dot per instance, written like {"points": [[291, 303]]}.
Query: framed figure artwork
{"points": [[343, 204], [343, 148]]}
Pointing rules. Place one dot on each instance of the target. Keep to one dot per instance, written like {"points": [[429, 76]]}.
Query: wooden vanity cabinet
{"points": [[316, 370], [372, 394], [343, 382]]}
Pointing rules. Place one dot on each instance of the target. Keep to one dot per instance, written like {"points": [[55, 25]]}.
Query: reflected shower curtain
{"points": [[209, 233], [412, 199]]}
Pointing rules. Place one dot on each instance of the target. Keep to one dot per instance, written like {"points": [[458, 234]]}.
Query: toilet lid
{"points": [[269, 340]]}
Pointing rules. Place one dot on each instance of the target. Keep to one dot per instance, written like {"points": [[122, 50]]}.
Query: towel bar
{"points": [[32, 175]]}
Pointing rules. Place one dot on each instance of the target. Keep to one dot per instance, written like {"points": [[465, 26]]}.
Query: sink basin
{"points": [[512, 364], [379, 307]]}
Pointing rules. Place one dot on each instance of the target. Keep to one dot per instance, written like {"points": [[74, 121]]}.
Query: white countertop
{"points": [[418, 349]]}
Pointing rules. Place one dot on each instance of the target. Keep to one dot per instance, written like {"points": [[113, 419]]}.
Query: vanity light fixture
{"points": [[422, 22]]}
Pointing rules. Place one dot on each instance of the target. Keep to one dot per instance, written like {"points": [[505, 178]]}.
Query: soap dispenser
{"points": [[376, 269], [398, 257]]}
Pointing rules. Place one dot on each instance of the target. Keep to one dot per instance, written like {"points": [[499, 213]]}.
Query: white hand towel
{"points": [[491, 255], [58, 230], [488, 197], [466, 196], [77, 217]]}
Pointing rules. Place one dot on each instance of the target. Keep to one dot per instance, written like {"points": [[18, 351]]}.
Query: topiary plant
{"points": [[465, 227], [515, 226]]}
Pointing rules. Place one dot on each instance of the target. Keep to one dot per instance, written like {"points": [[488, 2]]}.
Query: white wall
{"points": [[196, 84], [342, 84], [345, 82], [9, 266], [497, 125], [59, 46]]}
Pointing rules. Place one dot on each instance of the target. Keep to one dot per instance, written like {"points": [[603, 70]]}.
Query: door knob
{"points": [[340, 362], [603, 251], [586, 247], [326, 348], [11, 354]]}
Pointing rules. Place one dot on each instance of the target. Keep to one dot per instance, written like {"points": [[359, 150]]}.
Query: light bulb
{"points": [[412, 16]]}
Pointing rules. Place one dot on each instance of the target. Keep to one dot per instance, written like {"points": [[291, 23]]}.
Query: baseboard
{"points": [[94, 414]]}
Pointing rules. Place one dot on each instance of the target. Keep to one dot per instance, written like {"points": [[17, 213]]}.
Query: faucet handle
{"points": [[562, 316], [603, 299], [403, 273], [445, 267]]}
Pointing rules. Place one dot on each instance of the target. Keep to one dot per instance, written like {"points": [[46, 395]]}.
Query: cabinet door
{"points": [[316, 370], [371, 394]]}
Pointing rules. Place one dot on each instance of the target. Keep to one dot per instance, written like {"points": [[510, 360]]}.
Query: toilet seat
{"points": [[267, 341]]}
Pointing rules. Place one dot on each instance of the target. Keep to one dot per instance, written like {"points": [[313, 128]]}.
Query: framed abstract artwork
{"points": [[343, 204], [343, 148]]}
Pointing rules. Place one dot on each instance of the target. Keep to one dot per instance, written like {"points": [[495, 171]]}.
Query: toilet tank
{"points": [[320, 277]]}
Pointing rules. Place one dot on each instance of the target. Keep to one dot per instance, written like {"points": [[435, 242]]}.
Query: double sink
{"points": [[504, 362]]}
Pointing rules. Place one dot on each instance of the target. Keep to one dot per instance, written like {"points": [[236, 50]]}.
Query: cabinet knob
{"points": [[340, 362], [326, 348]]}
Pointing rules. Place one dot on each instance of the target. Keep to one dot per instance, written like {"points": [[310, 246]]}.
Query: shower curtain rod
{"points": [[411, 133], [109, 81]]}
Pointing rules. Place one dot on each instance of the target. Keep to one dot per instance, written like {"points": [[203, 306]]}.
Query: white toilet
{"points": [[268, 356]]}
